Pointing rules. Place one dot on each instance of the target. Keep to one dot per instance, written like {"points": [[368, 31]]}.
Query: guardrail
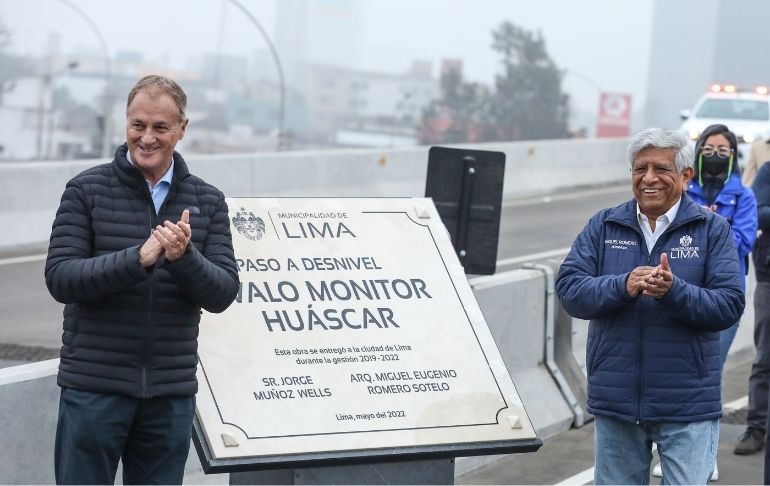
{"points": [[30, 191]]}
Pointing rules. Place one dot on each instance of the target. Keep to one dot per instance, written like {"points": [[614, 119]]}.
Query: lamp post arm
{"points": [[107, 129], [277, 60]]}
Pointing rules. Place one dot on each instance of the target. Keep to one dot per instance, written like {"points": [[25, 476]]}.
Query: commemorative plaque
{"points": [[355, 337]]}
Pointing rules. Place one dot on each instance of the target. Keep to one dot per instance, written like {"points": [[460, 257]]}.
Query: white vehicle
{"points": [[746, 114]]}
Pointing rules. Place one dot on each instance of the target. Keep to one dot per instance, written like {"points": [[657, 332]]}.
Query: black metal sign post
{"points": [[467, 189]]}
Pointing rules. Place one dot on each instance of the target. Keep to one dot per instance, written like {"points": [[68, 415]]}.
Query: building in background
{"points": [[349, 107], [699, 42], [325, 32], [233, 100], [232, 104]]}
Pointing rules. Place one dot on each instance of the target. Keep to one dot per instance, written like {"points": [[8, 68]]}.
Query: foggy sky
{"points": [[604, 42]]}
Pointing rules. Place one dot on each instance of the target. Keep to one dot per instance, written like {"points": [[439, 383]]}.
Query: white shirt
{"points": [[663, 222]]}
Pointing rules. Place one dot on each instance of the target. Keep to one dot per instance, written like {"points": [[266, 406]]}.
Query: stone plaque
{"points": [[355, 337]]}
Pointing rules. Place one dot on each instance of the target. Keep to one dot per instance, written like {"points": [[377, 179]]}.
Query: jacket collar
{"points": [[626, 213], [732, 187], [131, 176]]}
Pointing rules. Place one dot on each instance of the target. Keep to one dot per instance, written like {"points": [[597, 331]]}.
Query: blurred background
{"points": [[268, 75]]}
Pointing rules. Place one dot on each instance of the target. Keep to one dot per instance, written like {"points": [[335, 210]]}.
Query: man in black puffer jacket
{"points": [[137, 248]]}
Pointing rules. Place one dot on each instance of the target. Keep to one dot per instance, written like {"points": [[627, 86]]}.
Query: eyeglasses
{"points": [[658, 169], [722, 152]]}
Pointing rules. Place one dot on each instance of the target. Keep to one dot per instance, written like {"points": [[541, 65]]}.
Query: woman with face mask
{"points": [[717, 186]]}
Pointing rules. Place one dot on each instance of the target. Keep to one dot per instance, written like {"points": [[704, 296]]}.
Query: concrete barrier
{"points": [[30, 191], [513, 304]]}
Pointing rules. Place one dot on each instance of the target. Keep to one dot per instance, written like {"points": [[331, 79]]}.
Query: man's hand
{"points": [[660, 280], [174, 237], [150, 251], [637, 279]]}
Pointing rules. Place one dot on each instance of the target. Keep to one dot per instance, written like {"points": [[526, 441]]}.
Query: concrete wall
{"points": [[30, 191]]}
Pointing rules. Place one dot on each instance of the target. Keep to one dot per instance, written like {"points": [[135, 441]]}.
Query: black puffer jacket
{"points": [[128, 329]]}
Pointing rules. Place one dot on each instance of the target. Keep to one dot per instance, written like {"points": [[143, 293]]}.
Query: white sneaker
{"points": [[657, 471]]}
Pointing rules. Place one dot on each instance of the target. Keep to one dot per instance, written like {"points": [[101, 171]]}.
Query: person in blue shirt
{"points": [[717, 186]]}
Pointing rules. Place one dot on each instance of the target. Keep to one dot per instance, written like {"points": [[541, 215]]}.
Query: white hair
{"points": [[662, 138]]}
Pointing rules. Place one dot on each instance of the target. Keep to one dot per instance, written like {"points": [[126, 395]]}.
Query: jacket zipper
{"points": [[640, 355], [153, 218], [146, 342], [643, 314]]}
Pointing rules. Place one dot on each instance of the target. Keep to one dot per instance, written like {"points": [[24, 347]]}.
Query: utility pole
{"points": [[106, 149]]}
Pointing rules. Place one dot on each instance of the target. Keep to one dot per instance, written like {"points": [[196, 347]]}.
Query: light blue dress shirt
{"points": [[160, 190]]}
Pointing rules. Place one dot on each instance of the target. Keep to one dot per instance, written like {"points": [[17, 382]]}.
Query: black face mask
{"points": [[714, 166]]}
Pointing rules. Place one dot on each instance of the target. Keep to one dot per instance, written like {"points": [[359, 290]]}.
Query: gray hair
{"points": [[155, 84], [662, 138]]}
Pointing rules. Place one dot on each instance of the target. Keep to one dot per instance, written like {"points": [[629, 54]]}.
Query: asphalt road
{"points": [[30, 317]]}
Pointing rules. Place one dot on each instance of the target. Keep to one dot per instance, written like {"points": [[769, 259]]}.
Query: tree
{"points": [[11, 67], [528, 102], [458, 115]]}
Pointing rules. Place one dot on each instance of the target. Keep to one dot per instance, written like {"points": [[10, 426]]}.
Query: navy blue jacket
{"points": [[654, 360], [132, 330]]}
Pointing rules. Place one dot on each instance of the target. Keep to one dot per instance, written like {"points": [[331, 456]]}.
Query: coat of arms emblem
{"points": [[250, 226], [685, 240]]}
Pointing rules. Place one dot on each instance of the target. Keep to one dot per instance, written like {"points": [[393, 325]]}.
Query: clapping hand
{"points": [[174, 237], [651, 281], [170, 240]]}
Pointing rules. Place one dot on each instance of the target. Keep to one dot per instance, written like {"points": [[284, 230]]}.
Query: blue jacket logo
{"points": [[685, 250]]}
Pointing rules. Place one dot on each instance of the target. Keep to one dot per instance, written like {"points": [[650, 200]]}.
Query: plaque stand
{"points": [[429, 471]]}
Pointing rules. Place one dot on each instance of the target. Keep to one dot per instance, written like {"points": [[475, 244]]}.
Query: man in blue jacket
{"points": [[658, 278]]}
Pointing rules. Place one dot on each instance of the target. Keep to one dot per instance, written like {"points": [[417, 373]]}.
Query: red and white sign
{"points": [[614, 115]]}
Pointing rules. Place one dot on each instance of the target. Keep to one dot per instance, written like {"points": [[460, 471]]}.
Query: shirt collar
{"points": [[669, 215], [167, 177]]}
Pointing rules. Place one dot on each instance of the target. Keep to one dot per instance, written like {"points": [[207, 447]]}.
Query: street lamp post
{"points": [[46, 112], [106, 149], [588, 81], [277, 60]]}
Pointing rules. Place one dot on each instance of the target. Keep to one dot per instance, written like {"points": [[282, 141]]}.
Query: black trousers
{"points": [[760, 368], [96, 430]]}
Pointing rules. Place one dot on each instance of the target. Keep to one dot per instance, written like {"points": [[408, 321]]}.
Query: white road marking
{"points": [[738, 404], [532, 257], [566, 196], [22, 259]]}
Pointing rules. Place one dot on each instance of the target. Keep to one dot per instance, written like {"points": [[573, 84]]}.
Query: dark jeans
{"points": [[760, 368], [95, 430], [759, 381]]}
